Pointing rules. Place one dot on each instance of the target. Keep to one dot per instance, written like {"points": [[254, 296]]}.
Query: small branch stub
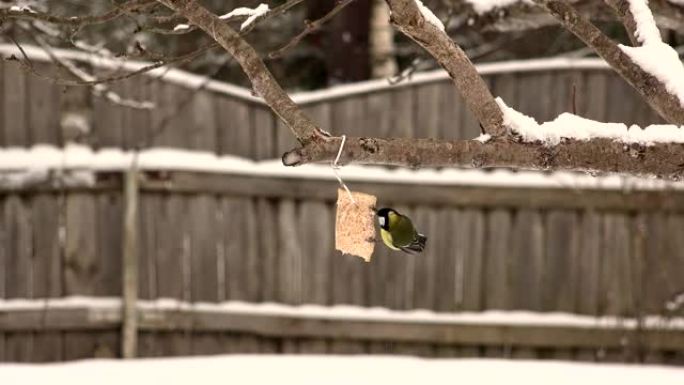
{"points": [[354, 224]]}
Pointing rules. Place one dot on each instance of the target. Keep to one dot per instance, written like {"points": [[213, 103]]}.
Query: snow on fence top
{"points": [[353, 313], [194, 81], [22, 163]]}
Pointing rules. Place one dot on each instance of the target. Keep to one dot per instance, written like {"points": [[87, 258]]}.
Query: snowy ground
{"points": [[343, 370]]}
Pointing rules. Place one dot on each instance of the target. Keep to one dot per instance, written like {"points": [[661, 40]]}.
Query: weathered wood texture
{"points": [[211, 121], [214, 246]]}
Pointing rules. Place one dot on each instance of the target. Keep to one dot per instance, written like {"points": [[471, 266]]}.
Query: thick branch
{"points": [[650, 88], [521, 16], [407, 18], [597, 155], [261, 78]]}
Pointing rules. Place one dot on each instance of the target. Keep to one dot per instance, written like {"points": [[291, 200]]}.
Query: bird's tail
{"points": [[417, 246]]}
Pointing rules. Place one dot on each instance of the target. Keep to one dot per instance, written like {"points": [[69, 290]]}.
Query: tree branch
{"points": [[651, 89], [408, 19], [521, 16], [263, 82], [596, 155], [621, 8]]}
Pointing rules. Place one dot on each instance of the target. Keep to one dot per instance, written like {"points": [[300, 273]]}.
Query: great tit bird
{"points": [[398, 232]]}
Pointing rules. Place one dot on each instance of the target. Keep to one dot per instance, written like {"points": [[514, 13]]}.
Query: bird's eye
{"points": [[381, 221]]}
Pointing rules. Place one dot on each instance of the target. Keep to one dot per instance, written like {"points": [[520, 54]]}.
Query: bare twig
{"points": [[99, 90], [76, 21], [263, 82], [159, 61], [311, 27]]}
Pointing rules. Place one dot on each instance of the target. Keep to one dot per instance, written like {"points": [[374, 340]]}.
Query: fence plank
{"points": [[315, 231], [109, 128], [592, 101], [426, 266], [616, 271], [47, 269], [587, 283], [109, 217], [43, 106], [497, 286], [203, 233], [81, 260], [82, 266], [290, 267], [527, 267], [136, 128], [427, 119], [19, 270], [2, 129], [561, 251], [235, 131], [16, 126], [562, 92], [616, 277], [561, 266], [472, 239], [4, 234], [378, 113], [269, 249], [402, 114], [171, 248], [451, 112], [448, 275], [538, 83], [263, 133], [150, 207]]}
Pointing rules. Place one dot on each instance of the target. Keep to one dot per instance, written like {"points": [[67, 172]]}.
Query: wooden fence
{"points": [[211, 238]]}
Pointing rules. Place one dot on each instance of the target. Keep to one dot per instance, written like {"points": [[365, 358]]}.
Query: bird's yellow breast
{"points": [[387, 239]]}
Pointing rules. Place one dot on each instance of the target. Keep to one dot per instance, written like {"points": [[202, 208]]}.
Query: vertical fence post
{"points": [[129, 331]]}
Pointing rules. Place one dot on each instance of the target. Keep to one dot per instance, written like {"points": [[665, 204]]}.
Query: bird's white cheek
{"points": [[381, 221]]}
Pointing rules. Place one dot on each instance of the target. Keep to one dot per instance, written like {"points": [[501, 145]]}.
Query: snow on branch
{"points": [[653, 56], [483, 6], [251, 13], [569, 126], [429, 15], [646, 29]]}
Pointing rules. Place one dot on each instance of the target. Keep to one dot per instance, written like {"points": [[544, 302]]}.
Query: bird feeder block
{"points": [[355, 224]]}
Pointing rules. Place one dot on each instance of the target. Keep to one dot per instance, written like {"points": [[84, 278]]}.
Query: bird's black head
{"points": [[384, 217]]}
